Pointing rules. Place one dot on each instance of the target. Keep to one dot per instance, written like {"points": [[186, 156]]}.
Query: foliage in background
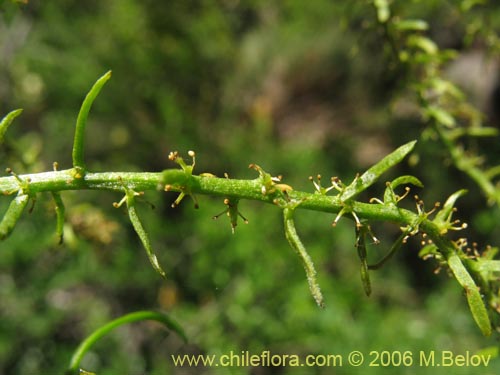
{"points": [[308, 86]]}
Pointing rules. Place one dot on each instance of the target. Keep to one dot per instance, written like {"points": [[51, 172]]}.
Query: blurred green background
{"points": [[298, 87]]}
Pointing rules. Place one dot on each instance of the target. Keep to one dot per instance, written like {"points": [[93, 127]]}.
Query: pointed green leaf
{"points": [[405, 180], [483, 131], [7, 121], [428, 250], [138, 316], [295, 242], [441, 116], [390, 196], [473, 295], [81, 121], [423, 43], [372, 174], [361, 247], [488, 266], [12, 215], [141, 232], [411, 25], [447, 209]]}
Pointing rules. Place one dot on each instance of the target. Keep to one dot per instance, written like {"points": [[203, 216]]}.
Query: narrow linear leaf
{"points": [[60, 210], [405, 180], [424, 43], [474, 299], [141, 232], [81, 121], [412, 25], [488, 266], [361, 247], [447, 209], [365, 278], [373, 173], [137, 316], [441, 116], [12, 215], [295, 242], [390, 196], [428, 250], [7, 121], [484, 131]]}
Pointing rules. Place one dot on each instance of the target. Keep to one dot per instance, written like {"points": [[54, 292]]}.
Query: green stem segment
{"points": [[214, 186], [86, 344]]}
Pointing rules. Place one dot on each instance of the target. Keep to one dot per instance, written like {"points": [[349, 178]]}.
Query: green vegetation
{"points": [[323, 88]]}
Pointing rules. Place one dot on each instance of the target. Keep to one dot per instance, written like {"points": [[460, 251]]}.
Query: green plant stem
{"points": [[178, 181], [214, 186], [223, 187]]}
